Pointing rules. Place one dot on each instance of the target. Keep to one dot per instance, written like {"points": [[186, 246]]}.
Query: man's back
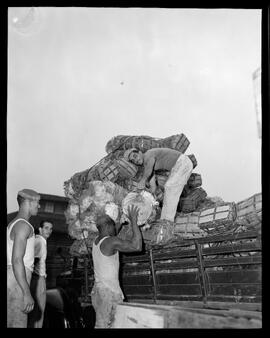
{"points": [[165, 158], [106, 268]]}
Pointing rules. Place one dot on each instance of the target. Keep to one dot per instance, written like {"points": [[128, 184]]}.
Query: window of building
{"points": [[49, 207]]}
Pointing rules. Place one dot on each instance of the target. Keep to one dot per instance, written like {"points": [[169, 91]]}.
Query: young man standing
{"points": [[179, 165], [106, 292], [38, 282], [20, 259]]}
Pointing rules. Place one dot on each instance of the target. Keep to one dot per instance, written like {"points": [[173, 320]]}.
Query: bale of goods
{"points": [[124, 142], [194, 181], [146, 204], [217, 219], [178, 142], [99, 198], [249, 212], [193, 160], [79, 181], [160, 233], [187, 225], [143, 143], [126, 169], [192, 200], [108, 170]]}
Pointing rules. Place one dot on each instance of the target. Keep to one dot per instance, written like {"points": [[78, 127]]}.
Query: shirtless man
{"points": [[106, 292], [20, 259], [179, 165]]}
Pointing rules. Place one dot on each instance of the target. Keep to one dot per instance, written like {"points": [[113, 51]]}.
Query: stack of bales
{"points": [[103, 187], [212, 217], [114, 168]]}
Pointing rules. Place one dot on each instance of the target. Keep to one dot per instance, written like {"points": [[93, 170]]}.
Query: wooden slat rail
{"points": [[172, 282]]}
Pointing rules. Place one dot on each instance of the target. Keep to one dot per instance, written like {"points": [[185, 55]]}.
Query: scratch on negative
{"points": [[132, 319]]}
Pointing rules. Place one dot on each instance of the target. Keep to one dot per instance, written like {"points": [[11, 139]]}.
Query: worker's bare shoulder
{"points": [[21, 227], [108, 246]]}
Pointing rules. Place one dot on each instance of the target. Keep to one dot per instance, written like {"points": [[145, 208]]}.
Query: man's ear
{"points": [[39, 230]]}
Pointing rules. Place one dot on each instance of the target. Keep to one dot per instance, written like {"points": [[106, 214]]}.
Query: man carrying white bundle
{"points": [[179, 165], [106, 292]]}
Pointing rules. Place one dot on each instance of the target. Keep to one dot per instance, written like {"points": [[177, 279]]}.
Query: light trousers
{"points": [[173, 188], [15, 316]]}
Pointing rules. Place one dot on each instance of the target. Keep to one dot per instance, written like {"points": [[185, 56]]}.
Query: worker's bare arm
{"points": [[124, 245], [148, 169], [135, 243], [20, 233]]}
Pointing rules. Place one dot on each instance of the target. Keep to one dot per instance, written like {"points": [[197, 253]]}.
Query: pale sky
{"points": [[80, 76]]}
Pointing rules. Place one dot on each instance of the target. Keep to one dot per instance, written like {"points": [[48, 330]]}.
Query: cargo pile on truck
{"points": [[111, 185]]}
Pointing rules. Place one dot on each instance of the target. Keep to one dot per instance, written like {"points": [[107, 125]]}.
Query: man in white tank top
{"points": [[38, 282], [106, 292], [20, 259], [179, 165]]}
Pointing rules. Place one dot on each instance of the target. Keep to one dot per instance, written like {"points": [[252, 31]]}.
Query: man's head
{"points": [[134, 155], [28, 199], [106, 225], [45, 229]]}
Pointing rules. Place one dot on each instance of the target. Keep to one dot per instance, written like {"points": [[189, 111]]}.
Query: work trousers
{"points": [[173, 188], [15, 316], [104, 302], [38, 292]]}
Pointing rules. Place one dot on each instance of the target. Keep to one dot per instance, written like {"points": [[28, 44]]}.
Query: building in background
{"points": [[52, 208]]}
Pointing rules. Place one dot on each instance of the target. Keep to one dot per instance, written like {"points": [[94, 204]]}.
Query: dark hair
{"points": [[20, 199], [41, 224], [104, 221]]}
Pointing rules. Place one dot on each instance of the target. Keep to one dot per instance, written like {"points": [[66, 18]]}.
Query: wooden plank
{"points": [[235, 289], [178, 278], [130, 296], [232, 261], [254, 307], [177, 264], [137, 289], [233, 248], [179, 289], [178, 253], [125, 267], [138, 315], [137, 280], [244, 300], [230, 237], [240, 276]]}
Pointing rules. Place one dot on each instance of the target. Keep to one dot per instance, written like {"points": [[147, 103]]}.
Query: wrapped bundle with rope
{"points": [[143, 143]]}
